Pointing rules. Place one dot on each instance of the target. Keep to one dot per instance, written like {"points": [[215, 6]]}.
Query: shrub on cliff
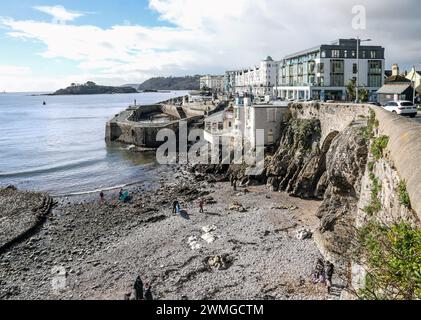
{"points": [[392, 257]]}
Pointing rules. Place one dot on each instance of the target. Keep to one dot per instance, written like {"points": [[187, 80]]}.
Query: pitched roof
{"points": [[397, 79], [398, 88], [388, 73]]}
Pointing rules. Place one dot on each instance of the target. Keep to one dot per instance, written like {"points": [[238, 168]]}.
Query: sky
{"points": [[47, 45]]}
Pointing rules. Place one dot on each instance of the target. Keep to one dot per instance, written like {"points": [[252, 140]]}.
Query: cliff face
{"points": [[356, 159], [331, 172], [298, 165], [345, 166]]}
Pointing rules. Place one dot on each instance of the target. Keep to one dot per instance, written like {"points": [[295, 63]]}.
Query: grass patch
{"points": [[372, 123], [404, 195], [375, 205], [378, 146]]}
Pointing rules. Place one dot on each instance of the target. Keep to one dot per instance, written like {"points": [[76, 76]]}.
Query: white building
{"points": [[259, 80], [323, 72], [215, 83], [250, 116], [219, 125]]}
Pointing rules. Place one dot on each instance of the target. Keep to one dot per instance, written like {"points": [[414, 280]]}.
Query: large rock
{"points": [[299, 163], [345, 166]]}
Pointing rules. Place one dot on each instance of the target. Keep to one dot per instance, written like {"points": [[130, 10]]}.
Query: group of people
{"points": [[176, 206], [142, 292], [323, 273], [122, 196]]}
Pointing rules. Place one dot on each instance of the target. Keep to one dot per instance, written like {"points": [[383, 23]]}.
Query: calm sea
{"points": [[60, 148]]}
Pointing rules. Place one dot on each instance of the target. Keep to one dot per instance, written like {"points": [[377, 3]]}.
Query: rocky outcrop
{"points": [[345, 166], [21, 215], [298, 165], [92, 88]]}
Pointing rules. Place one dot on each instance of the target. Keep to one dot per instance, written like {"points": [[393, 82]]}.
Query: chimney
{"points": [[395, 70]]}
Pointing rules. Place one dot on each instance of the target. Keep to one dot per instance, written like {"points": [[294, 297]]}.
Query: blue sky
{"points": [[46, 45], [103, 14]]}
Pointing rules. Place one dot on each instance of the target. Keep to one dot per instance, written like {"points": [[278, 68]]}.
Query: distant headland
{"points": [[92, 88]]}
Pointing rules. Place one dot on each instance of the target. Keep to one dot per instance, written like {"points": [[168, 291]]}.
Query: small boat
{"points": [[44, 103]]}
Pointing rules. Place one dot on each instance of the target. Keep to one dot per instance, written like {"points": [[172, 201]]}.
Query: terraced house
{"points": [[323, 72]]}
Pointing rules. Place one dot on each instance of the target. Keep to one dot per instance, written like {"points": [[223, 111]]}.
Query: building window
{"points": [[323, 54], [321, 67], [373, 54], [271, 115], [337, 73], [354, 68], [353, 53], [337, 66], [271, 139], [311, 67], [321, 81], [364, 55], [346, 54], [336, 53], [375, 67], [375, 81], [337, 80]]}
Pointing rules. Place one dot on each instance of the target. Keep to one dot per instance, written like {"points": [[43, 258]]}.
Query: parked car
{"points": [[403, 108]]}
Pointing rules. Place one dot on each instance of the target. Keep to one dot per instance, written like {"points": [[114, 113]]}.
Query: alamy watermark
{"points": [[359, 22], [59, 279], [192, 148]]}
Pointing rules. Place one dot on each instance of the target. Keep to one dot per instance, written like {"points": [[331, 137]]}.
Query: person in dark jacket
{"points": [[148, 292], [329, 274], [175, 205], [138, 287]]}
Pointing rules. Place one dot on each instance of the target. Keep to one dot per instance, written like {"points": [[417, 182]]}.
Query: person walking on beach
{"points": [[138, 287], [175, 205], [201, 205], [329, 274], [101, 196], [148, 292], [318, 274]]}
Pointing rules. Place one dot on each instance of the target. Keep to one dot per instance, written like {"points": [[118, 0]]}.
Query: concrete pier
{"points": [[139, 125]]}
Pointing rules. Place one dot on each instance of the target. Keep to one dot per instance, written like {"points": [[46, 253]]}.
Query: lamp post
{"points": [[413, 80], [357, 98]]}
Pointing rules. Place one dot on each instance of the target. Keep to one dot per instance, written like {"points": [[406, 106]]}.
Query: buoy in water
{"points": [[44, 103]]}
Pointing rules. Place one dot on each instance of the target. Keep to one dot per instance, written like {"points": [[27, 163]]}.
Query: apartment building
{"points": [[259, 80], [323, 72]]}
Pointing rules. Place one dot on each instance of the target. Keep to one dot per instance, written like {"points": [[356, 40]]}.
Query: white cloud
{"points": [[216, 35], [59, 13], [9, 70]]}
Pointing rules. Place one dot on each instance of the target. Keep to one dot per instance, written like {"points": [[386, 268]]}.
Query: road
{"points": [[418, 118]]}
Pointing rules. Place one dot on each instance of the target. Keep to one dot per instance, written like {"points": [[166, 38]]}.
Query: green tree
{"points": [[351, 89]]}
